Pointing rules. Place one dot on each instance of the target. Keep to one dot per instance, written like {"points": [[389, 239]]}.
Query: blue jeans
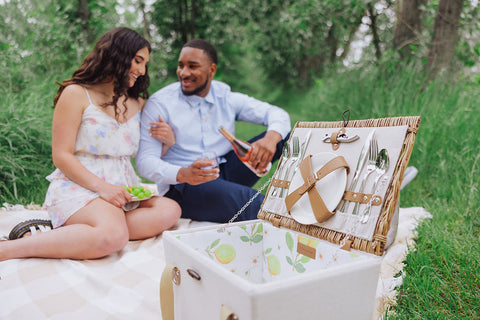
{"points": [[219, 200]]}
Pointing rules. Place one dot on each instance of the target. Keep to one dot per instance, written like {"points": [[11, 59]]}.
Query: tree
{"points": [[84, 15], [445, 36], [408, 27], [373, 26]]}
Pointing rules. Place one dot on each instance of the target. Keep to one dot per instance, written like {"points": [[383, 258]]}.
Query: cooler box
{"points": [[315, 252]]}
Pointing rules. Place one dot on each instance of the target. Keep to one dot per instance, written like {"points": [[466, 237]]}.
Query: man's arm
{"points": [[264, 150], [276, 119], [150, 164], [148, 160], [195, 174]]}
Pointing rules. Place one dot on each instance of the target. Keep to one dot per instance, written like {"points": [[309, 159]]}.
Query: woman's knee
{"points": [[169, 211], [110, 240]]}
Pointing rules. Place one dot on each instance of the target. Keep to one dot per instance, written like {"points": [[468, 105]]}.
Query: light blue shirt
{"points": [[195, 122]]}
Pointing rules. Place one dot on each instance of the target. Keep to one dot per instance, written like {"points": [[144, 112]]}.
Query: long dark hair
{"points": [[112, 57]]}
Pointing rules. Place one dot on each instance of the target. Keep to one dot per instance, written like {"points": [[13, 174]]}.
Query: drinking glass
{"points": [[211, 155]]}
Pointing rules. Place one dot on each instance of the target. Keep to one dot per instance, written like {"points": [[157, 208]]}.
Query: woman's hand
{"points": [[115, 195], [163, 132]]}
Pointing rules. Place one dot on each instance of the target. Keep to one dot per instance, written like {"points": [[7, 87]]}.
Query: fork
{"points": [[293, 160], [371, 165], [382, 165], [285, 157]]}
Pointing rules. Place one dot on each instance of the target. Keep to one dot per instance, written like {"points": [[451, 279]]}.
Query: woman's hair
{"points": [[111, 59]]}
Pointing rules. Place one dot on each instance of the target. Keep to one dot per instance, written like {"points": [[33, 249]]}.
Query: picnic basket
{"points": [[277, 268]]}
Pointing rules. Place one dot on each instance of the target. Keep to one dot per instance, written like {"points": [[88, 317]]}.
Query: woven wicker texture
{"points": [[377, 245]]}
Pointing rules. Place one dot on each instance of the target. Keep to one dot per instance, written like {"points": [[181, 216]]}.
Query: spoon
{"points": [[381, 167]]}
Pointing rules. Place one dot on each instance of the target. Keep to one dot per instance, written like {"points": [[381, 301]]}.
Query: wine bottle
{"points": [[243, 150]]}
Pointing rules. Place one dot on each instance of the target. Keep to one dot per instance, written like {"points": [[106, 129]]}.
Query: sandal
{"points": [[30, 226]]}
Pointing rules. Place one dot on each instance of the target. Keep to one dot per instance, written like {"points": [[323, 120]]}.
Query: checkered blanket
{"points": [[125, 285]]}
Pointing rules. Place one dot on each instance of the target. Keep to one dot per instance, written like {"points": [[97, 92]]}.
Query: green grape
{"points": [[141, 195], [147, 193]]}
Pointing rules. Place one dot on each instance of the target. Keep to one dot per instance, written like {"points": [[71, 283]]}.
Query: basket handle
{"points": [[227, 314], [166, 293]]}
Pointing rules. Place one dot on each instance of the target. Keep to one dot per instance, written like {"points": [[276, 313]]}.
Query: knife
{"points": [[305, 144], [360, 164], [303, 149]]}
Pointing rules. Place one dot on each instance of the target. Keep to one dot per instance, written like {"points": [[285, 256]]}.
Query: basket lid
{"points": [[297, 207]]}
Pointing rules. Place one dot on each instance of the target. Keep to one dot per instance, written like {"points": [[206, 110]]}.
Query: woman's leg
{"points": [[94, 231], [152, 217]]}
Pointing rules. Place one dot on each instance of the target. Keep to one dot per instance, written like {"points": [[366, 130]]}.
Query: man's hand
{"points": [[195, 174], [264, 150]]}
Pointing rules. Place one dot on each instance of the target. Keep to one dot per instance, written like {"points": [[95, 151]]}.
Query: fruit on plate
{"points": [[139, 192]]}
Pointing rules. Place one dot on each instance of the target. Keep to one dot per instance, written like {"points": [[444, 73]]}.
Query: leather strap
{"points": [[362, 198], [280, 183], [166, 293], [310, 179], [333, 138]]}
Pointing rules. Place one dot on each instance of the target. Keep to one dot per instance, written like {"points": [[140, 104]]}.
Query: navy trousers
{"points": [[219, 200]]}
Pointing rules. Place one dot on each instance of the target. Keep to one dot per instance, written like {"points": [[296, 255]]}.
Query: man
{"points": [[194, 108]]}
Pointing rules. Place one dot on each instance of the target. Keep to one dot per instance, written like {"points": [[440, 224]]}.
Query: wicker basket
{"points": [[377, 245]]}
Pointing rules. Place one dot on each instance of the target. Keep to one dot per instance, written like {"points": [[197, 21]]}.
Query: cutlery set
{"points": [[372, 162], [292, 155]]}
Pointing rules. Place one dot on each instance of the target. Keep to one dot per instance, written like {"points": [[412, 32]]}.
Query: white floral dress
{"points": [[104, 146]]}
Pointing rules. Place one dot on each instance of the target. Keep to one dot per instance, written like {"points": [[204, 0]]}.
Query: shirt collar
{"points": [[194, 100]]}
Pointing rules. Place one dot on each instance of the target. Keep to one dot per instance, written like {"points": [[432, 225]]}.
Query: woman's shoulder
{"points": [[74, 91], [74, 95]]}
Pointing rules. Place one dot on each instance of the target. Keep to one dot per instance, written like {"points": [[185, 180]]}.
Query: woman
{"points": [[95, 131]]}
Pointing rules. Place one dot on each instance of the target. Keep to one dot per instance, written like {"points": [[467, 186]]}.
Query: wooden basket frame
{"points": [[377, 245]]}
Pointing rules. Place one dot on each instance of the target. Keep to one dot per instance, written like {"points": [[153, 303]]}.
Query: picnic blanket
{"points": [[125, 285]]}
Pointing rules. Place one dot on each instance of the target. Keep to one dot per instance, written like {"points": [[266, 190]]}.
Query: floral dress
{"points": [[104, 146]]}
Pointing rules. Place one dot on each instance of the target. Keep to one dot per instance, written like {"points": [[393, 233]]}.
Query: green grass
{"points": [[441, 274], [25, 143]]}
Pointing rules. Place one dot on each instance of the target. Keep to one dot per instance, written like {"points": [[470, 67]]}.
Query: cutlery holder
{"points": [[397, 135]]}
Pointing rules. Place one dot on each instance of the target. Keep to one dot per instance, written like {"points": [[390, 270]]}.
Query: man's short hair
{"points": [[205, 46]]}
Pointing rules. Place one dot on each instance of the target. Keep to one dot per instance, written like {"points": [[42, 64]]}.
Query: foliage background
{"points": [[313, 58]]}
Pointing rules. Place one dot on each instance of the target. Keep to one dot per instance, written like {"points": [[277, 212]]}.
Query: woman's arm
{"points": [[162, 131], [66, 122]]}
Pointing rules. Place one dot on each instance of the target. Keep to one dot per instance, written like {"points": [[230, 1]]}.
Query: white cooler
{"points": [[286, 265]]}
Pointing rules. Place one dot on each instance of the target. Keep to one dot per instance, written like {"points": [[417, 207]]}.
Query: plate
{"points": [[331, 189], [134, 198]]}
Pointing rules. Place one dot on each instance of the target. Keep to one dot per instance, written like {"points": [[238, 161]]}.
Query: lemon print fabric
{"points": [[273, 265], [297, 260], [225, 253], [308, 241]]}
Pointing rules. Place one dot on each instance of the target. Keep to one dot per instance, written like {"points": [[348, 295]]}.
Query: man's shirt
{"points": [[195, 122]]}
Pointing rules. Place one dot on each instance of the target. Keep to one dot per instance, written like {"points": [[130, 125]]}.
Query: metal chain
{"points": [[239, 212]]}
